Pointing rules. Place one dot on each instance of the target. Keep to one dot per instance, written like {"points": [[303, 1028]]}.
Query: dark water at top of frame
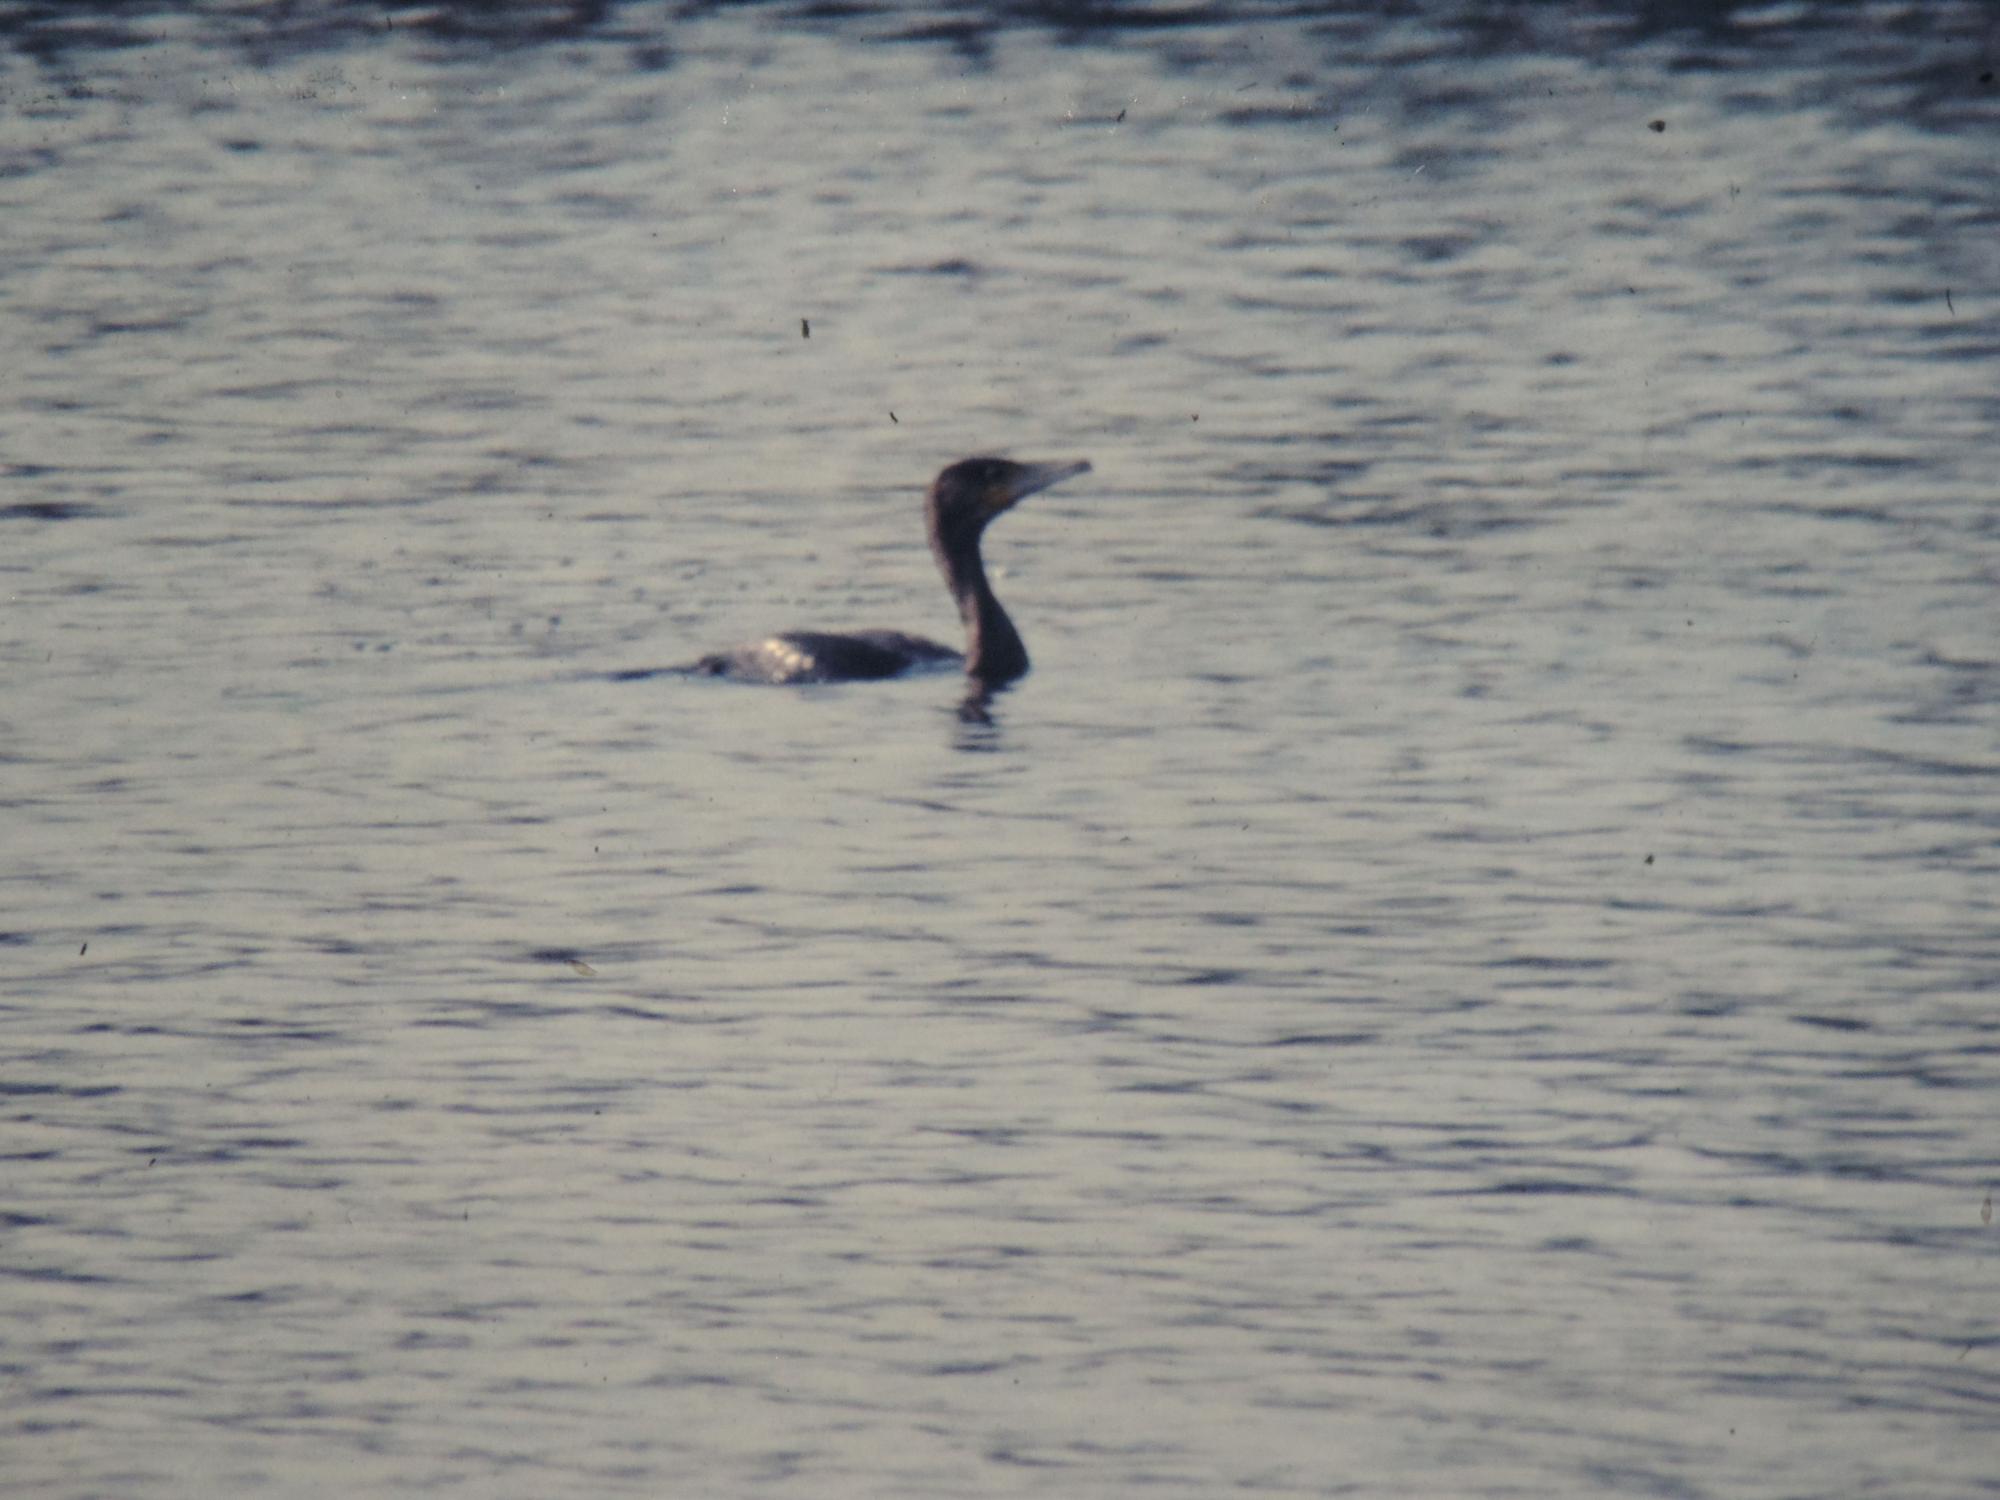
{"points": [[1469, 968]]}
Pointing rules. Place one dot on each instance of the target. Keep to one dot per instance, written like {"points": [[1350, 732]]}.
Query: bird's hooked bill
{"points": [[1037, 477]]}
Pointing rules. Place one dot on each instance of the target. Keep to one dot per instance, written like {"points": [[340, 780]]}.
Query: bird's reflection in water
{"points": [[978, 729]]}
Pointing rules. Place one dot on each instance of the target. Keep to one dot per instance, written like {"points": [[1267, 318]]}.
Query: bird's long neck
{"points": [[993, 650]]}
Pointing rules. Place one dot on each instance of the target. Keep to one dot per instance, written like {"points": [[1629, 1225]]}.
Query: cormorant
{"points": [[957, 507]]}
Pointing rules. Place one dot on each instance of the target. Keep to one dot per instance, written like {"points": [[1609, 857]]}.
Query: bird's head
{"points": [[971, 492]]}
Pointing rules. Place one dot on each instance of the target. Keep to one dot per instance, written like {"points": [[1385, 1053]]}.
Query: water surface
{"points": [[1468, 968]]}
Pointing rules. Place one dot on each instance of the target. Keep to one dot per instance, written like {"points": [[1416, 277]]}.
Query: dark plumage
{"points": [[957, 507]]}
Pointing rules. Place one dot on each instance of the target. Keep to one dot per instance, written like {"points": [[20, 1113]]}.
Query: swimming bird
{"points": [[960, 503]]}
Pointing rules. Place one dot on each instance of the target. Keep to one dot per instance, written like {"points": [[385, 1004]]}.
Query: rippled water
{"points": [[1468, 969]]}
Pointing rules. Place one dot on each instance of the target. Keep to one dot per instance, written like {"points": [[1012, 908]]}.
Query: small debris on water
{"points": [[1656, 126]]}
